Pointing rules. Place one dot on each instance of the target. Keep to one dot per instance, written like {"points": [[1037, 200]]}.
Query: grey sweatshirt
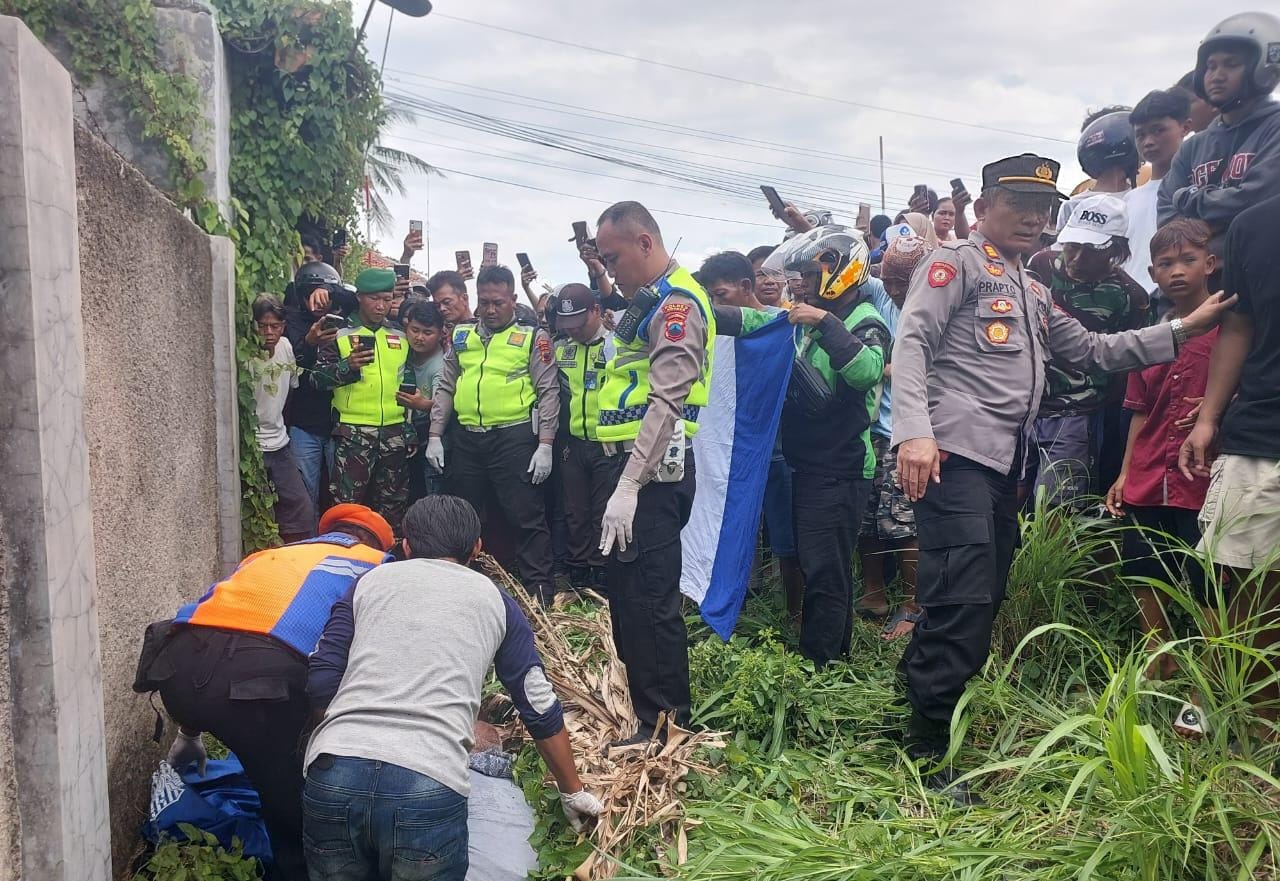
{"points": [[1196, 185]]}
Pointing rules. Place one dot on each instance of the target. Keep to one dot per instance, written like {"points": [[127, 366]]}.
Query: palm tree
{"points": [[384, 171]]}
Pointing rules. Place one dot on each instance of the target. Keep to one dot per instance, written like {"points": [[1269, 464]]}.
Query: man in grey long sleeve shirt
{"points": [[969, 361], [501, 380]]}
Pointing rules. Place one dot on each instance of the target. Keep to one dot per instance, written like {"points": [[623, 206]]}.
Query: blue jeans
{"points": [[365, 820], [310, 450]]}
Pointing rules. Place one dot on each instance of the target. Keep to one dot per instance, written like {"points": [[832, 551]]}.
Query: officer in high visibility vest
{"points": [[586, 473], [654, 387], [365, 366], [500, 378], [234, 662]]}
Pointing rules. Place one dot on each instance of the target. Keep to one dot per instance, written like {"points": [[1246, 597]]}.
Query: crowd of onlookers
{"points": [[388, 391]]}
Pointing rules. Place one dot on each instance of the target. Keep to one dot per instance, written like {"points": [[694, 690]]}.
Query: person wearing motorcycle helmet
{"points": [[314, 303], [1108, 153], [842, 345], [1235, 162]]}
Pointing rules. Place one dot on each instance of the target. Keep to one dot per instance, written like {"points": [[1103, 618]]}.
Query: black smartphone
{"points": [[401, 270], [864, 217], [775, 201], [489, 257], [523, 259], [339, 238], [921, 192], [580, 234], [334, 322], [464, 261], [957, 185], [367, 342], [408, 388]]}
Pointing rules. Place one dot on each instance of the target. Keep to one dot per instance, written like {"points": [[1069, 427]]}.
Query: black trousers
{"points": [[645, 601], [968, 528], [248, 691], [497, 461], [587, 478], [828, 513]]}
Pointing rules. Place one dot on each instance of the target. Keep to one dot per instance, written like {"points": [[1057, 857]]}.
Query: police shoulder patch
{"points": [[543, 346], [673, 328], [941, 274], [990, 250]]}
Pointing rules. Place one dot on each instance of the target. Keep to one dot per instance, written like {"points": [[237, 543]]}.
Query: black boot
{"points": [[926, 744]]}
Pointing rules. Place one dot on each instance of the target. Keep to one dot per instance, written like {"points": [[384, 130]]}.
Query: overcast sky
{"points": [[1033, 69]]}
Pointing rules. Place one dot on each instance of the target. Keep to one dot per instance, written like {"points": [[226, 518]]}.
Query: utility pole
{"points": [[882, 202], [426, 227]]}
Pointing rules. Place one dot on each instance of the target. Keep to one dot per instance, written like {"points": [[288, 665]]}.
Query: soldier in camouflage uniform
{"points": [[365, 366]]}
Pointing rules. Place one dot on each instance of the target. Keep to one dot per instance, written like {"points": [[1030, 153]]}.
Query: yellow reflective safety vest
{"points": [[624, 399], [494, 386], [371, 400], [581, 376]]}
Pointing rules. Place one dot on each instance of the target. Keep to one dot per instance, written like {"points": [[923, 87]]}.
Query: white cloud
{"points": [[1005, 65]]}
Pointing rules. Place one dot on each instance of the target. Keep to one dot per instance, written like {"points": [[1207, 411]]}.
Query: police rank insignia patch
{"points": [[998, 332], [544, 349], [1002, 306], [941, 274], [516, 339], [995, 270], [990, 250]]}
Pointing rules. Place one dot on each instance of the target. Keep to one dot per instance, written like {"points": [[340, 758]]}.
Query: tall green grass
{"points": [[1062, 734]]}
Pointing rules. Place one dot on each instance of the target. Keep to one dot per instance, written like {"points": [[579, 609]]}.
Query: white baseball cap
{"points": [[1095, 220]]}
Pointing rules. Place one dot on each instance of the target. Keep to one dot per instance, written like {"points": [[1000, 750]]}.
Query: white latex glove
{"points": [[540, 464], [618, 516], [580, 807], [186, 749], [435, 452]]}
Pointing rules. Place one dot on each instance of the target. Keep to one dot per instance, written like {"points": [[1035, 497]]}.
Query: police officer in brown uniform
{"points": [[969, 366]]}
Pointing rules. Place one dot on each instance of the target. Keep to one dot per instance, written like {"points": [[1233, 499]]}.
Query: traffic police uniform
{"points": [[235, 662], [372, 430], [504, 388], [969, 368], [586, 473], [656, 381]]}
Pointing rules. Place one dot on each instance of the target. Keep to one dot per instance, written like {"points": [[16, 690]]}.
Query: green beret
{"points": [[375, 281]]}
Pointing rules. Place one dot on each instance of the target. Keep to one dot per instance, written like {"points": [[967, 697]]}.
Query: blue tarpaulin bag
{"points": [[223, 802]]}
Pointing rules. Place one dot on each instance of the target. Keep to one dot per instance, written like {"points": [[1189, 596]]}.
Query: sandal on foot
{"points": [[1190, 722], [902, 616]]}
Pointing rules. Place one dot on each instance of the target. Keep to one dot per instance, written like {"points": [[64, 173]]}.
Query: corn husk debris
{"points": [[640, 787]]}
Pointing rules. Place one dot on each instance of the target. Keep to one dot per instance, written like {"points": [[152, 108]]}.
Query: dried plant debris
{"points": [[641, 787]]}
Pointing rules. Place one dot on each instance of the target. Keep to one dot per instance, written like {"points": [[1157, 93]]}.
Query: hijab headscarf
{"points": [[902, 256], [923, 227]]}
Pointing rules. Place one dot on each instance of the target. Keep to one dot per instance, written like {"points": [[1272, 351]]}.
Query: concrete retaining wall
{"points": [[118, 462]]}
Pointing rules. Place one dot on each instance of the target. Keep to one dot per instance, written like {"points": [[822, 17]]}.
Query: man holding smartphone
{"points": [[365, 366]]}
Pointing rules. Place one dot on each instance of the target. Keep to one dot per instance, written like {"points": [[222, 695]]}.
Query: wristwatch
{"points": [[1179, 332]]}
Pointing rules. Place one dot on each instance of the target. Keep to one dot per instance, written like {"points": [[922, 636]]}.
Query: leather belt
{"points": [[481, 429]]}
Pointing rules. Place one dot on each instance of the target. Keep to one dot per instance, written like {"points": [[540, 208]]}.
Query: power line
{"points": [[726, 78], [713, 178], [512, 183], [641, 122]]}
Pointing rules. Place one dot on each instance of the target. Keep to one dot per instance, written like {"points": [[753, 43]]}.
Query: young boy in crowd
{"points": [[1160, 122], [274, 373], [424, 327], [890, 523], [1162, 502], [1079, 407]]}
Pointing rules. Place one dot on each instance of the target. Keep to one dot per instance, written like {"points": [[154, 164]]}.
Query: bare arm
{"points": [[1235, 338], [558, 754]]}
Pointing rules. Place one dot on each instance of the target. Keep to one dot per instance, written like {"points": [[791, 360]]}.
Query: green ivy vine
{"points": [[305, 107]]}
